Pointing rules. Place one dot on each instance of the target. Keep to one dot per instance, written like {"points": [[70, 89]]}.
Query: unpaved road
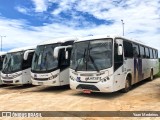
{"points": [[144, 96]]}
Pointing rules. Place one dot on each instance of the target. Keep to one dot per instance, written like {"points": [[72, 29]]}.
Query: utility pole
{"points": [[123, 27], [1, 40]]}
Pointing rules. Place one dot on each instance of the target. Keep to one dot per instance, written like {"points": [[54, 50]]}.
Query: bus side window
{"points": [[151, 53], [128, 49], [135, 51], [154, 53], [142, 53], [27, 63], [118, 59], [147, 52]]}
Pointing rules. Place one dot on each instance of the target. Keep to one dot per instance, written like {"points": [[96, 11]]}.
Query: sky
{"points": [[29, 22]]}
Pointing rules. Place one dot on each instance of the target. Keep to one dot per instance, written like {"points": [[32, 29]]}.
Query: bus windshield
{"points": [[43, 59], [92, 55], [12, 62]]}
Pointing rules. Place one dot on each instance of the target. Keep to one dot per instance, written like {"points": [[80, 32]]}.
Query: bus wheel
{"points": [[151, 75], [127, 85]]}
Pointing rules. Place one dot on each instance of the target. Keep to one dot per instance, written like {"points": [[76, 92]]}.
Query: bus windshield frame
{"points": [[12, 62], [92, 55], [43, 59]]}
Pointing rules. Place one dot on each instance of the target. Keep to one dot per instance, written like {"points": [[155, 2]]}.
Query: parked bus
{"points": [[2, 55], [17, 65], [110, 63], [50, 64]]}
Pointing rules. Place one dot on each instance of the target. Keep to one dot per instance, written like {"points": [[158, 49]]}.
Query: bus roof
{"points": [[2, 53], [21, 49], [88, 38], [58, 40]]}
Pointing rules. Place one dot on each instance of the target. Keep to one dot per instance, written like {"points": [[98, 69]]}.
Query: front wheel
{"points": [[127, 86]]}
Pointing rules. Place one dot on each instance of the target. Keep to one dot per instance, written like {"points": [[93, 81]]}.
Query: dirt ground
{"points": [[143, 96]]}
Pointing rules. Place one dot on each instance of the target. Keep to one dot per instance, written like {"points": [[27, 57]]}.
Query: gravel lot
{"points": [[144, 96]]}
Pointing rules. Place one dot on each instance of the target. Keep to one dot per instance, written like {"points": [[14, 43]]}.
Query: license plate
{"points": [[40, 83], [87, 91]]}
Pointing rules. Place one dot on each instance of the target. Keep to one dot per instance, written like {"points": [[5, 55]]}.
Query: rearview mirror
{"points": [[66, 55], [120, 50], [26, 53], [57, 49]]}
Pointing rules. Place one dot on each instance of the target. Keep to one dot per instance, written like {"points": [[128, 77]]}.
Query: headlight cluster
{"points": [[71, 78], [52, 77], [105, 79], [16, 75]]}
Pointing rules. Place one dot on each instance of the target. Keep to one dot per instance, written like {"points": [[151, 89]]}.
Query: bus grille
{"points": [[7, 81], [88, 87]]}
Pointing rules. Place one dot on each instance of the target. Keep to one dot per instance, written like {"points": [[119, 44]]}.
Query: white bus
{"points": [[2, 55], [110, 63], [50, 64], [17, 65]]}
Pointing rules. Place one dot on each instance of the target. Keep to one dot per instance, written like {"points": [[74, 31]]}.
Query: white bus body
{"points": [[17, 65], [50, 64], [2, 55], [110, 63]]}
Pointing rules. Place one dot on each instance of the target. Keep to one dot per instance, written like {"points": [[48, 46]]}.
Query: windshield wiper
{"points": [[92, 60], [46, 64], [7, 65], [80, 60]]}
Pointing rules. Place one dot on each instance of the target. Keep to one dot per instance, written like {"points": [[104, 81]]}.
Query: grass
{"points": [[158, 75]]}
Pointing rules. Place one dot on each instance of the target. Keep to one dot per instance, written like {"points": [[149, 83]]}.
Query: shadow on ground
{"points": [[52, 88], [16, 87], [110, 95]]}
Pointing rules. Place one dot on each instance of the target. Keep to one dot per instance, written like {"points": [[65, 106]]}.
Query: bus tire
{"points": [[127, 85], [151, 75]]}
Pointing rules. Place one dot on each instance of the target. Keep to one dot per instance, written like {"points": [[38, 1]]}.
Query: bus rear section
{"points": [[109, 64], [50, 65], [17, 65]]}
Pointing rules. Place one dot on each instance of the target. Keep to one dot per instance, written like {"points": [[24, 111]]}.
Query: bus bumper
{"points": [[47, 83], [13, 82], [93, 87]]}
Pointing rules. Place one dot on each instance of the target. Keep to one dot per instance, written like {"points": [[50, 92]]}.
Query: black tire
{"points": [[127, 85], [151, 76]]}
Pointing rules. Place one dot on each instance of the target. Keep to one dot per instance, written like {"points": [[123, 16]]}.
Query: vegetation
{"points": [[158, 75]]}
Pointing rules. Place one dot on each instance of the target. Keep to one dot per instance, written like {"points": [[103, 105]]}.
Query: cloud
{"points": [[40, 5], [72, 17], [21, 9]]}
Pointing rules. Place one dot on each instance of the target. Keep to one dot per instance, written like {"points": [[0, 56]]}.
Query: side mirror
{"points": [[57, 49], [66, 51], [26, 54], [55, 52], [120, 50], [66, 55]]}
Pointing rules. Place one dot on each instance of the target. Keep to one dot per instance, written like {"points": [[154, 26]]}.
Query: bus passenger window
{"points": [[128, 49], [135, 51], [142, 53], [147, 52], [151, 53]]}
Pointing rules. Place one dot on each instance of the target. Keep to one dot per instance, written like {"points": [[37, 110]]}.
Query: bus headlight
{"points": [[71, 78], [16, 75], [105, 79], [52, 77]]}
